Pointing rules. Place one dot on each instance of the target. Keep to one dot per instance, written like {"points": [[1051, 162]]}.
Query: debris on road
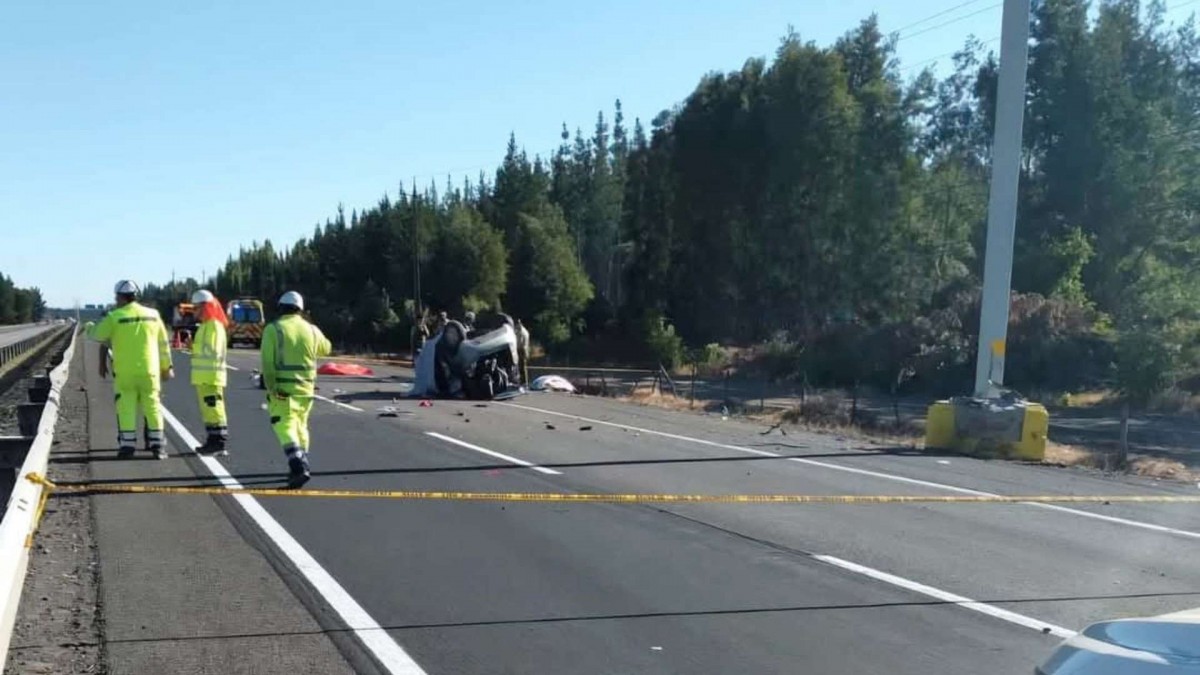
{"points": [[351, 369], [549, 427], [553, 383], [586, 428], [425, 403], [778, 426]]}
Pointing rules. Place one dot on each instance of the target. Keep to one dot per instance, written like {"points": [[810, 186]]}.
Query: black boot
{"points": [[213, 445], [298, 473]]}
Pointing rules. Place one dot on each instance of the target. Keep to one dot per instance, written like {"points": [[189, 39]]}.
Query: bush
{"points": [[664, 345], [1053, 344]]}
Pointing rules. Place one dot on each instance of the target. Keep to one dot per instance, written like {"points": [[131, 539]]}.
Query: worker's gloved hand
{"points": [[169, 373]]}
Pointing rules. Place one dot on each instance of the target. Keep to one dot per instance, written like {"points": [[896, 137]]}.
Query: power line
{"points": [[964, 17], [938, 14], [942, 56]]}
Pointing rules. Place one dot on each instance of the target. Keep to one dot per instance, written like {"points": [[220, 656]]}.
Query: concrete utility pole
{"points": [[1002, 201]]}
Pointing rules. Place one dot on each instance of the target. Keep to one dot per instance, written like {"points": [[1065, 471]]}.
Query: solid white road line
{"points": [[347, 406], [946, 596], [493, 453], [874, 474], [377, 641], [229, 367]]}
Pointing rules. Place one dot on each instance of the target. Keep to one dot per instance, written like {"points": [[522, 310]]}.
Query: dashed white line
{"points": [[946, 596], [867, 472], [347, 406], [381, 645], [231, 367], [493, 453]]}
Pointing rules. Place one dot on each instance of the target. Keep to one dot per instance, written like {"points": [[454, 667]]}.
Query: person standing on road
{"points": [[137, 340], [420, 334], [523, 352], [208, 370], [290, 349]]}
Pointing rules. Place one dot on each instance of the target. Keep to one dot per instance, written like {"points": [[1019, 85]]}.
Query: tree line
{"points": [[826, 205], [19, 305]]}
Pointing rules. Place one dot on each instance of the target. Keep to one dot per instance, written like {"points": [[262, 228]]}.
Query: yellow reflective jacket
{"points": [[138, 341], [208, 354], [290, 349]]}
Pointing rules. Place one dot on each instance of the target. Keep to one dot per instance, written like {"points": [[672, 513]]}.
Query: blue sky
{"points": [[138, 138]]}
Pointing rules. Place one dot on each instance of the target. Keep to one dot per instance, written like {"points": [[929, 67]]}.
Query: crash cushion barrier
{"points": [[25, 503], [988, 427]]}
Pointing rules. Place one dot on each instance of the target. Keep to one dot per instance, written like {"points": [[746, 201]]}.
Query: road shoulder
{"points": [[60, 622], [182, 590]]}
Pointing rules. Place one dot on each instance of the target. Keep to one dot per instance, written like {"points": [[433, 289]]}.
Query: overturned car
{"points": [[479, 367]]}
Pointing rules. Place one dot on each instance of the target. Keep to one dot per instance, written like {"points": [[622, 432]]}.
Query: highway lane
{"points": [[1061, 565], [12, 334], [595, 588]]}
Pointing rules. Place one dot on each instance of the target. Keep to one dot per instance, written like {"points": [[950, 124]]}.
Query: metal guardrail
{"points": [[16, 529]]}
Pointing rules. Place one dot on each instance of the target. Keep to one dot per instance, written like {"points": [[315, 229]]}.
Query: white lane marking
{"points": [[493, 453], [231, 367], [874, 474], [381, 645], [946, 596], [347, 406]]}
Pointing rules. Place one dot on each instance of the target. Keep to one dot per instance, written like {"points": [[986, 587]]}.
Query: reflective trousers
{"points": [[212, 410], [134, 393], [289, 419]]}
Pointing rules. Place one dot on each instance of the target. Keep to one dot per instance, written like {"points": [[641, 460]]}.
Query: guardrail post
{"points": [[39, 390], [13, 450], [28, 416]]}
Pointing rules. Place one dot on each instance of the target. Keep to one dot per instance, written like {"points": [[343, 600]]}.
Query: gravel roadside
{"points": [[59, 625]]}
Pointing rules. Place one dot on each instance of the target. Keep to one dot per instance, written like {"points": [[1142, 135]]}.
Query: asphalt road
{"points": [[592, 588], [11, 334]]}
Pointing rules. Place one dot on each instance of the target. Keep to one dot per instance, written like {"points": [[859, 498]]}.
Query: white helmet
{"points": [[470, 316], [292, 298], [202, 296], [126, 287]]}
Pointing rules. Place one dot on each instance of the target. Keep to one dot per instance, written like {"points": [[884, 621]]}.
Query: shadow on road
{"points": [[745, 611], [205, 481]]}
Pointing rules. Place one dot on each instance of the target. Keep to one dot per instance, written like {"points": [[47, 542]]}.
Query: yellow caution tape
{"points": [[604, 498]]}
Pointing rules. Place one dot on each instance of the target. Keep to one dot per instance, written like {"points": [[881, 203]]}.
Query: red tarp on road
{"points": [[344, 369]]}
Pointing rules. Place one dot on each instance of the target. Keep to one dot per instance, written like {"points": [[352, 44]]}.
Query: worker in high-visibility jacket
{"points": [[290, 349], [137, 340], [208, 370]]}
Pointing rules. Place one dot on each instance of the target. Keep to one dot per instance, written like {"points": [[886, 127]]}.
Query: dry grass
{"points": [[1175, 400], [830, 415], [1061, 454], [1156, 467], [825, 415], [649, 397], [1089, 399]]}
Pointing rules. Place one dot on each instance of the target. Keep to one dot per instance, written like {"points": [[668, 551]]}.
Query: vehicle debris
{"points": [[553, 383]]}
